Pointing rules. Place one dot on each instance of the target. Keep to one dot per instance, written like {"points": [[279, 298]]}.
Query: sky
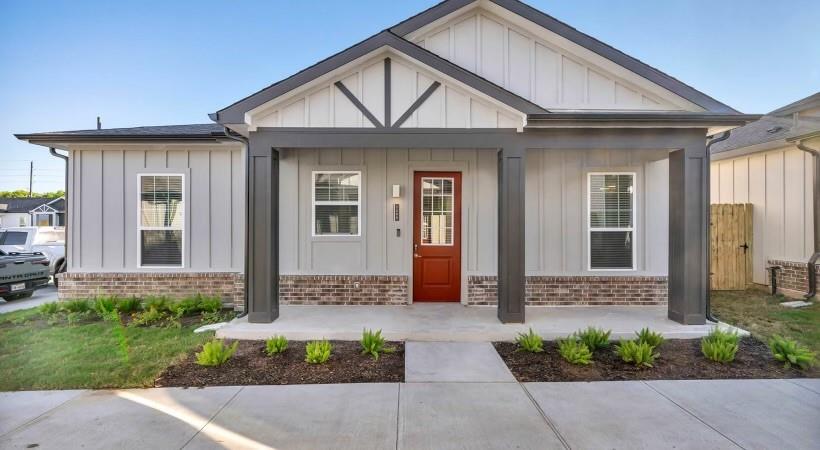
{"points": [[134, 63]]}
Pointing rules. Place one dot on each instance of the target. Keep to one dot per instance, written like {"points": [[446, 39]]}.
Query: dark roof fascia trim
{"points": [[428, 16], [729, 119], [235, 113], [584, 40], [43, 139], [810, 135], [800, 105]]}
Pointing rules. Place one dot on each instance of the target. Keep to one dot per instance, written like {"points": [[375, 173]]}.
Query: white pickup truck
{"points": [[50, 241]]}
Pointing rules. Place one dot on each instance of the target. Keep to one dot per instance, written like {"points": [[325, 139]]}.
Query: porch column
{"points": [[689, 233], [511, 168], [262, 233]]}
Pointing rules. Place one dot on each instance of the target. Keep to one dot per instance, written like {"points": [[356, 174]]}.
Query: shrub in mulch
{"points": [[680, 359], [251, 365]]}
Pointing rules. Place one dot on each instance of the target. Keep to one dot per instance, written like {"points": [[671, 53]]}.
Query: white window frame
{"points": [[314, 203], [421, 222], [633, 228], [141, 228]]}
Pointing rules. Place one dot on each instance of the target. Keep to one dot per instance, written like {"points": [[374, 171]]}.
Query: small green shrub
{"points": [[209, 304], [530, 342], [720, 346], [185, 307], [318, 352], [636, 352], [75, 317], [574, 351], [128, 305], [76, 306], [104, 305], [151, 317], [650, 337], [791, 353], [218, 316], [49, 309], [373, 344], [276, 345], [161, 304], [215, 353], [594, 338]]}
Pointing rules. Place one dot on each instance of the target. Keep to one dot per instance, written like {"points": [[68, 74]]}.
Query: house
{"points": [[24, 212], [479, 152], [762, 164]]}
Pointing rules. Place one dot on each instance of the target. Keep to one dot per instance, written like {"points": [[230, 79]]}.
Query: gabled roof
{"points": [[203, 131], [235, 113], [21, 205], [768, 129], [393, 37], [584, 40], [812, 101]]}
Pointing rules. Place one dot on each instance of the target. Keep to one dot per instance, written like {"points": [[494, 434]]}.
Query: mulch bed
{"points": [[680, 359], [251, 365]]}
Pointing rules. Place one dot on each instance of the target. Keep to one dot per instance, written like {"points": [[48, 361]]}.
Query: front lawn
{"points": [[38, 353], [761, 314]]}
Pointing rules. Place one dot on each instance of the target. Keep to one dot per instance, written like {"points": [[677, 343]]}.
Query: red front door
{"points": [[437, 237]]}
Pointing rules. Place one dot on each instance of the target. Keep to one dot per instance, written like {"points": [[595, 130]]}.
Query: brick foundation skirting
{"points": [[343, 290], [575, 290], [227, 285], [792, 275]]}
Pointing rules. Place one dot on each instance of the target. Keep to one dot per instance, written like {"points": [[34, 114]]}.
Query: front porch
{"points": [[457, 323]]}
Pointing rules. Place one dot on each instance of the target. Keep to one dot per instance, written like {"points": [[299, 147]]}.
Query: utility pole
{"points": [[30, 177]]}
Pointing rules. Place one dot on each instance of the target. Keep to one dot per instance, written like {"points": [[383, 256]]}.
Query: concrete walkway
{"points": [[455, 322], [781, 414]]}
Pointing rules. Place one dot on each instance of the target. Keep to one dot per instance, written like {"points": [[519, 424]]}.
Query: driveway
{"points": [[42, 295], [729, 414]]}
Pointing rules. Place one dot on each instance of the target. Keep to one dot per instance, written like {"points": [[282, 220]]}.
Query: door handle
{"points": [[416, 251]]}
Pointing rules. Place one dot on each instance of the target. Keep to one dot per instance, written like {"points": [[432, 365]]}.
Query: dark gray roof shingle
{"points": [[767, 129], [21, 205], [199, 130]]}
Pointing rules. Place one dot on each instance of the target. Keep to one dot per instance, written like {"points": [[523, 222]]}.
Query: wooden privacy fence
{"points": [[731, 246]]}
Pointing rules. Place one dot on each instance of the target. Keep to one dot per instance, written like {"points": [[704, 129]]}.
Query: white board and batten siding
{"points": [[322, 104], [539, 65], [104, 205], [778, 183], [555, 214]]}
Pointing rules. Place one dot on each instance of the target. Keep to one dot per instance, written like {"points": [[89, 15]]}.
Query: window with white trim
{"points": [[611, 206], [336, 203], [161, 220]]}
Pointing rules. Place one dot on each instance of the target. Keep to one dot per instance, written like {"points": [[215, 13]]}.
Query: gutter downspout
{"points": [[65, 159], [725, 135], [811, 265], [244, 141]]}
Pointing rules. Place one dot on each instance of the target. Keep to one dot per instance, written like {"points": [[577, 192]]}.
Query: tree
{"points": [[23, 193]]}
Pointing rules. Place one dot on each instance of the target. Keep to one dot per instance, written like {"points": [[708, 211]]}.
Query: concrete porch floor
{"points": [[455, 322]]}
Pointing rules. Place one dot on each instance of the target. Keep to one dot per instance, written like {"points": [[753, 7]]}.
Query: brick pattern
{"points": [[575, 290], [227, 285], [343, 290], [792, 275]]}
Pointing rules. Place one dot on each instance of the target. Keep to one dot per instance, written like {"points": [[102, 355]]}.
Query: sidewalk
{"points": [[457, 395]]}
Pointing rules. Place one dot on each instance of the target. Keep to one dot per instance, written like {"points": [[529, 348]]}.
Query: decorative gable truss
{"points": [[385, 89], [540, 65]]}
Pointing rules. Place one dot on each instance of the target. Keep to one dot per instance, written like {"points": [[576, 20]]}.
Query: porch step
{"points": [[465, 362]]}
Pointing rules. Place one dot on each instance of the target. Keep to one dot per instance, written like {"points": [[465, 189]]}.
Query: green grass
{"points": [[760, 313], [37, 355]]}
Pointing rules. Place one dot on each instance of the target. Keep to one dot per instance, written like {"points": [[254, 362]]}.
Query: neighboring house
{"points": [[479, 152], [761, 164], [24, 212]]}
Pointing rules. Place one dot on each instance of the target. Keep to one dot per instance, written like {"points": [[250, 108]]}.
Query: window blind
{"points": [[161, 220], [611, 221], [336, 203]]}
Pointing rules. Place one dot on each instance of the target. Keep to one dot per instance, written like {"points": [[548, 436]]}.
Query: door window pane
{"points": [[437, 208]]}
